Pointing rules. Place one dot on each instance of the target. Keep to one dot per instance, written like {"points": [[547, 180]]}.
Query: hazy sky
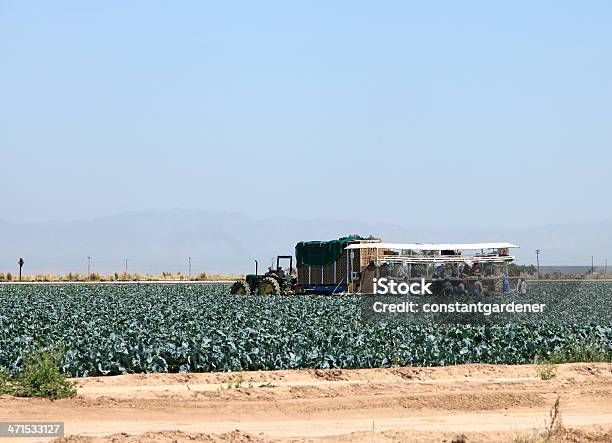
{"points": [[445, 113]]}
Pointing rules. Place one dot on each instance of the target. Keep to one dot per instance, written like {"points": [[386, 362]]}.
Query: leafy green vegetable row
{"points": [[116, 329]]}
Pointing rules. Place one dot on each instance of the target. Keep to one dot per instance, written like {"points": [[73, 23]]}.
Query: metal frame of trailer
{"points": [[429, 254]]}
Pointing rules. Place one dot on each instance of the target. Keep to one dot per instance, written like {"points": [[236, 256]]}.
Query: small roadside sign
{"points": [[21, 263]]}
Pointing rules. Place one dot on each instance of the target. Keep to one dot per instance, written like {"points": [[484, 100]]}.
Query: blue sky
{"points": [[424, 114]]}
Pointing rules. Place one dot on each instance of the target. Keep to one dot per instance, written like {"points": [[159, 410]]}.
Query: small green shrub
{"points": [[238, 381], [578, 352], [547, 372], [5, 377], [40, 377]]}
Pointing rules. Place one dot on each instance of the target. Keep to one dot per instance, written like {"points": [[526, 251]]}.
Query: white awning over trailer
{"points": [[432, 246], [440, 259]]}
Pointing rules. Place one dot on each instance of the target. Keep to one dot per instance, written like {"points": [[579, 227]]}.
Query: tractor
{"points": [[274, 282]]}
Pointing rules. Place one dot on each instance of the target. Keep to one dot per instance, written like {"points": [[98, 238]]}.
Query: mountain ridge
{"points": [[222, 241]]}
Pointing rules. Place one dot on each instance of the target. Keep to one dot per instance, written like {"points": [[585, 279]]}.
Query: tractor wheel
{"points": [[240, 287], [268, 286]]}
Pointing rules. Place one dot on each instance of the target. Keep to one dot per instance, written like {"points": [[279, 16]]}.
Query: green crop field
{"points": [[115, 329]]}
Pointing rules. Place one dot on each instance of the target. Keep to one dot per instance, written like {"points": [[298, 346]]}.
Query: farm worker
{"points": [[399, 271], [460, 288], [440, 271], [521, 287], [385, 270], [478, 287], [497, 287], [367, 279], [447, 286], [505, 285]]}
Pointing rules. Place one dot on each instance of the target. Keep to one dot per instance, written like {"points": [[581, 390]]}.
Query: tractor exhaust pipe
{"points": [[256, 266]]}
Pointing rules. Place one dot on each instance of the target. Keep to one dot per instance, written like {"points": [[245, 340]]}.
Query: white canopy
{"points": [[432, 246]]}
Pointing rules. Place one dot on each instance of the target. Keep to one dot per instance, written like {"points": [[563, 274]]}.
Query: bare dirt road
{"points": [[461, 403]]}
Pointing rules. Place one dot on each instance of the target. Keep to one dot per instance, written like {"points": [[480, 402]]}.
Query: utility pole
{"points": [[538, 261], [189, 267], [592, 265], [88, 266], [126, 265], [605, 267]]}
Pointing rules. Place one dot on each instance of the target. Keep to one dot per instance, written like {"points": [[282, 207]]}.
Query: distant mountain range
{"points": [[158, 241]]}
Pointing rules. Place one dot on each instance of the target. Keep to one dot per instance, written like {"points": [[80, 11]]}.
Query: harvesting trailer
{"points": [[350, 265]]}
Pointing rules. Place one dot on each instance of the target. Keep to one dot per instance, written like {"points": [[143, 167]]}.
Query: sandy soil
{"points": [[460, 403]]}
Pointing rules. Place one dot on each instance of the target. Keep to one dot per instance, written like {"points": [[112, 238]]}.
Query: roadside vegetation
{"points": [[576, 351], [531, 272], [547, 371], [560, 276], [39, 377], [553, 428], [555, 431], [515, 271], [123, 276]]}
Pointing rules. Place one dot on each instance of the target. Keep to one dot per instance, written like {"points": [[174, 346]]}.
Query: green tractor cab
{"points": [[273, 282]]}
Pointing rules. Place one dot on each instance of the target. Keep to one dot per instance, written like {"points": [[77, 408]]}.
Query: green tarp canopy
{"points": [[322, 253]]}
